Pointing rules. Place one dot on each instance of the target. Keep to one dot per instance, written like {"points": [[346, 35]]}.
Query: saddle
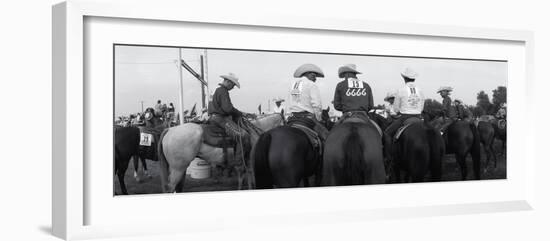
{"points": [[307, 126], [216, 136], [360, 117], [405, 125]]}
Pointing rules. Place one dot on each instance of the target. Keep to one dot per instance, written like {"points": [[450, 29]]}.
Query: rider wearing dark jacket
{"points": [[223, 114]]}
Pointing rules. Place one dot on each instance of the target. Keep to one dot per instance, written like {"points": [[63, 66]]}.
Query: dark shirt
{"points": [[353, 99], [221, 103], [448, 109]]}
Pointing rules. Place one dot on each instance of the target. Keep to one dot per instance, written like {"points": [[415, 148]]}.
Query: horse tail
{"points": [[262, 171], [117, 158], [437, 150], [354, 166], [163, 163], [475, 151]]}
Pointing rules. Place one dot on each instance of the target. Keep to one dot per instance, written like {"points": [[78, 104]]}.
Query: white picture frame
{"points": [[70, 191]]}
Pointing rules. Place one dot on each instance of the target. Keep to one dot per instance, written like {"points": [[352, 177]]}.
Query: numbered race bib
{"points": [[145, 139], [296, 90], [413, 99], [355, 83], [356, 88]]}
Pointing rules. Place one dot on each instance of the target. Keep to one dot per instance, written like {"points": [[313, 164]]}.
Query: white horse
{"points": [[179, 145]]}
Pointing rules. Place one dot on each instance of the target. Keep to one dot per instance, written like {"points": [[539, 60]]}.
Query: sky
{"points": [[147, 74]]}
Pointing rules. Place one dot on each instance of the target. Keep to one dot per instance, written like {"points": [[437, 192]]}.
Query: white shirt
{"points": [[409, 100], [305, 96]]}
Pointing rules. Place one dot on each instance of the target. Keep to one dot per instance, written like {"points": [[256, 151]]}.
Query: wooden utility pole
{"points": [[203, 85], [180, 64]]}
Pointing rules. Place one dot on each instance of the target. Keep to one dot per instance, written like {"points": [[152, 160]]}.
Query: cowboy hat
{"points": [[300, 71], [409, 73], [445, 88], [389, 96], [347, 68], [233, 78], [148, 115]]}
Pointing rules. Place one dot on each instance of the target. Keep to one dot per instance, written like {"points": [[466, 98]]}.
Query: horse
{"points": [[180, 145], [419, 150], [487, 138], [462, 138], [284, 157], [127, 146], [500, 133], [353, 155]]}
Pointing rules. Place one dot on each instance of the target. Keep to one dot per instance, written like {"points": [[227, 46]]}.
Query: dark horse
{"points": [[487, 138], [127, 146], [419, 150], [283, 157], [462, 138], [353, 155], [500, 133]]}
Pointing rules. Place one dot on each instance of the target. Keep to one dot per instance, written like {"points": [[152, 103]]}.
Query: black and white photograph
{"points": [[190, 119]]}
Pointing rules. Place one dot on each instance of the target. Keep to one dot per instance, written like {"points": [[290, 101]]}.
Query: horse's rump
{"points": [[353, 155], [283, 156]]}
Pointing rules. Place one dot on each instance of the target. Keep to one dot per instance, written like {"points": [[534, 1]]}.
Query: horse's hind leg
{"points": [[135, 160], [492, 150], [488, 155], [306, 181], [122, 183], [177, 178], [144, 165], [461, 160]]}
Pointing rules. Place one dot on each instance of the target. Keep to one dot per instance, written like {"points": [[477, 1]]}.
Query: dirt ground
{"points": [[451, 172]]}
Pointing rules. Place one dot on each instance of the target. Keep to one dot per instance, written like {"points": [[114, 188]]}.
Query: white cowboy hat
{"points": [[347, 68], [389, 96], [148, 115], [409, 73], [445, 88], [308, 68], [233, 78]]}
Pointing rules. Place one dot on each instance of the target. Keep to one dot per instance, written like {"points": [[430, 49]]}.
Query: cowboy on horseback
{"points": [[449, 112], [224, 114], [352, 96], [409, 101], [390, 108], [305, 101]]}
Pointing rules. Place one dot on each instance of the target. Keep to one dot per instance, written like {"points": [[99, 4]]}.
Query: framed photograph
{"points": [[284, 120]]}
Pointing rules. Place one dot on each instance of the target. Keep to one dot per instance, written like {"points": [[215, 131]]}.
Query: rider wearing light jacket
{"points": [[305, 98], [409, 101]]}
